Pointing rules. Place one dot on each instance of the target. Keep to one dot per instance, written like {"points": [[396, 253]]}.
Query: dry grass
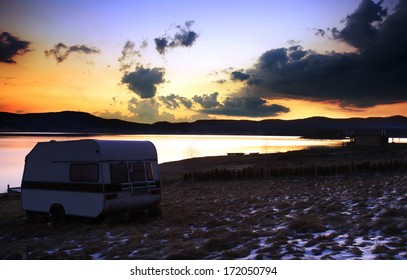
{"points": [[359, 216]]}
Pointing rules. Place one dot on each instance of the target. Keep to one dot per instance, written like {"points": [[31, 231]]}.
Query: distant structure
{"points": [[370, 137]]}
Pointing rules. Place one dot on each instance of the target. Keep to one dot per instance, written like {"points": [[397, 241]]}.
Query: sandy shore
{"points": [[361, 215]]}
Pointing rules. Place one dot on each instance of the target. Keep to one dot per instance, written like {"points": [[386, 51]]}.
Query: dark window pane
{"points": [[119, 174], [84, 172], [149, 171]]}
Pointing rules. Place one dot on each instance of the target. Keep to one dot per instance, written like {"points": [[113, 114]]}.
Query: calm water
{"points": [[13, 149]]}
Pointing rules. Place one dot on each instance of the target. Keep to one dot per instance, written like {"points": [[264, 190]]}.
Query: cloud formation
{"points": [[211, 104], [144, 110], [10, 46], [207, 101], [373, 74], [246, 107], [173, 101], [129, 53], [147, 111], [62, 51], [185, 37], [144, 81], [239, 76], [360, 28]]}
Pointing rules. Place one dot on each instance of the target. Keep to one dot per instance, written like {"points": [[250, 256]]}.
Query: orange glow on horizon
{"points": [[300, 109]]}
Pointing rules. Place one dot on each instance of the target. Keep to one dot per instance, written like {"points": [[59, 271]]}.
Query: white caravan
{"points": [[90, 178]]}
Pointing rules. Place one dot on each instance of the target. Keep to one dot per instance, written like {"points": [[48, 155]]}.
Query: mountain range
{"points": [[314, 127]]}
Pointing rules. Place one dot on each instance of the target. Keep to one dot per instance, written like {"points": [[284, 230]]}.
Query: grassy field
{"points": [[349, 216]]}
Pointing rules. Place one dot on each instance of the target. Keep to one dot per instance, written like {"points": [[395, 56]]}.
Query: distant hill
{"points": [[66, 121], [315, 127]]}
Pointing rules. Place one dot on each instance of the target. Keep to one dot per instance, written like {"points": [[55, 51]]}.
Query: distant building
{"points": [[370, 137]]}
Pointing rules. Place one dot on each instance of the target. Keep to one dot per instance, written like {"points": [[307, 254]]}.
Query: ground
{"points": [[361, 215]]}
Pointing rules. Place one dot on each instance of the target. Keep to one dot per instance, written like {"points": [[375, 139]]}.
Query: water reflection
{"points": [[14, 148]]}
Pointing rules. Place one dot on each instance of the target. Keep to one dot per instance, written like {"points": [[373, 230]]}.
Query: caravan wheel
{"points": [[57, 214]]}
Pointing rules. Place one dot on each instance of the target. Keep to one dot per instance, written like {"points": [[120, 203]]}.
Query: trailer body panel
{"points": [[91, 177]]}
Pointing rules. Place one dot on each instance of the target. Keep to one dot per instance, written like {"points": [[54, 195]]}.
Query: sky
{"points": [[176, 61]]}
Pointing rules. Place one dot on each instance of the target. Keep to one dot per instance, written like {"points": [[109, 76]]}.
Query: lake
{"points": [[14, 148]]}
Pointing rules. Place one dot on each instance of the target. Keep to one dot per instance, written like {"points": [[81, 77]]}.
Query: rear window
{"points": [[131, 172], [88, 172]]}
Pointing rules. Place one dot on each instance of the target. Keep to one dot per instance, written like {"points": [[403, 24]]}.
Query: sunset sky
{"points": [[148, 61]]}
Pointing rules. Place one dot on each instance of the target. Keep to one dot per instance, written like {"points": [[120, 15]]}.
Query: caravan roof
{"points": [[126, 150], [90, 149]]}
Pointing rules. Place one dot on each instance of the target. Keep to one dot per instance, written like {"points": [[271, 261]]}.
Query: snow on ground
{"points": [[335, 217]]}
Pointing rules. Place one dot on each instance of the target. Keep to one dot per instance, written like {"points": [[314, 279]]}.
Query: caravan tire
{"points": [[57, 214]]}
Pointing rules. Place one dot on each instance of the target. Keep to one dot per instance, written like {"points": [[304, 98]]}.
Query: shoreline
{"points": [[333, 158]]}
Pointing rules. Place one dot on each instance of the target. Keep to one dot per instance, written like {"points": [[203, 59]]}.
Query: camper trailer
{"points": [[90, 178]]}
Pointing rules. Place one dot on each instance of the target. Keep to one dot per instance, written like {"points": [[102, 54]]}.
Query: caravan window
{"points": [[88, 172], [131, 172]]}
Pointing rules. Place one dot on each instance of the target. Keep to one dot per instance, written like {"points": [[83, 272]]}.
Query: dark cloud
{"points": [[320, 32], [11, 46], [207, 101], [221, 81], [373, 74], [144, 81], [173, 101], [239, 76], [161, 44], [185, 37], [237, 106], [246, 107], [62, 51], [361, 27], [129, 53]]}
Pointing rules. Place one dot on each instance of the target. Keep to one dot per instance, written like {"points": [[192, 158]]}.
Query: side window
{"points": [[84, 172]]}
